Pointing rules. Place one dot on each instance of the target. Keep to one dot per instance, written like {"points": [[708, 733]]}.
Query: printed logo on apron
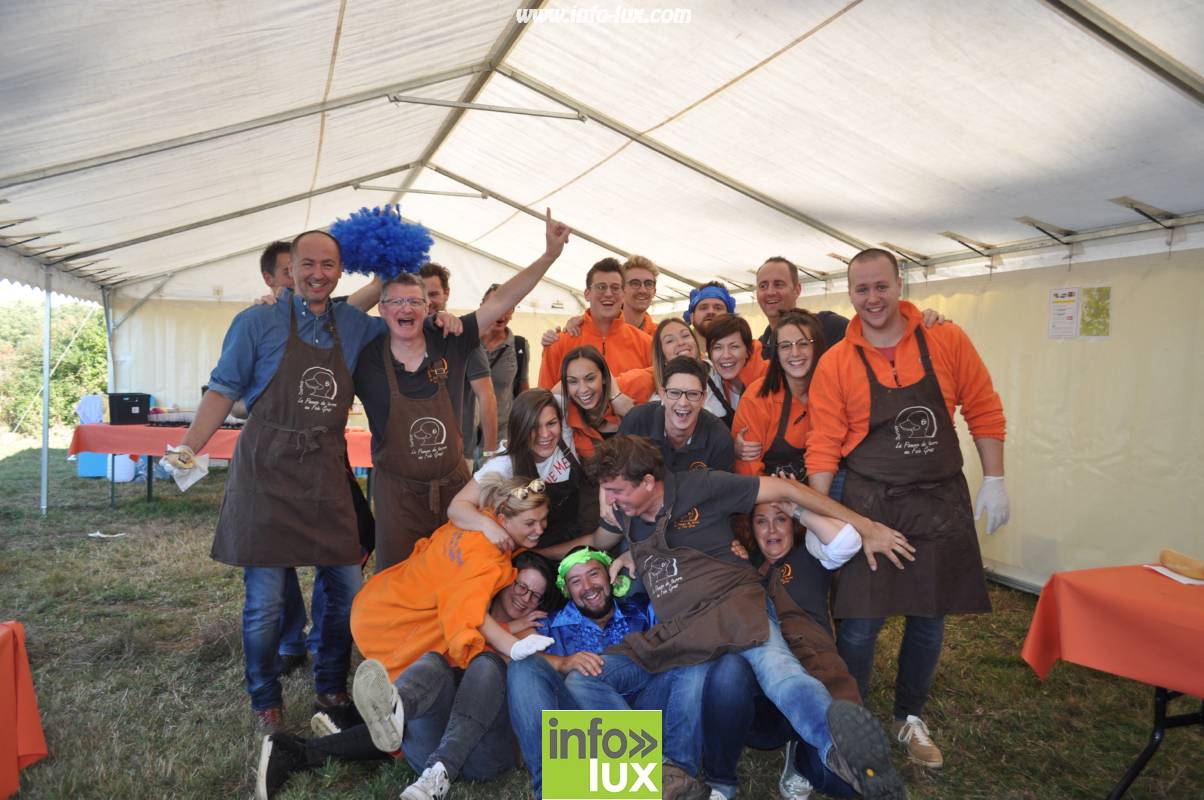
{"points": [[915, 431], [660, 575], [689, 520], [698, 465], [787, 574], [428, 438], [318, 390]]}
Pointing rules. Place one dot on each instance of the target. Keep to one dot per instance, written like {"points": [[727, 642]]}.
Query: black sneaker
{"points": [[280, 756], [861, 753], [291, 662]]}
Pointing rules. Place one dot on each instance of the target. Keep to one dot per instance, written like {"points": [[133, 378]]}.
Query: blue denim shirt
{"points": [[574, 632], [254, 345]]}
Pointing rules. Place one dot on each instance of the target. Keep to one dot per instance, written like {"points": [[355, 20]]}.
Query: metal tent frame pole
{"points": [[45, 489]]}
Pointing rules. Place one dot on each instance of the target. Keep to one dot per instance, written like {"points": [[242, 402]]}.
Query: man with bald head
{"points": [[881, 404], [288, 502]]}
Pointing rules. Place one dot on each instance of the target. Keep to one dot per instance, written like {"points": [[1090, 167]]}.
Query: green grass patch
{"points": [[136, 652]]}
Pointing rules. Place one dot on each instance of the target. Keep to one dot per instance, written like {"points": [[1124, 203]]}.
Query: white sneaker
{"points": [[432, 784], [792, 785], [380, 706]]}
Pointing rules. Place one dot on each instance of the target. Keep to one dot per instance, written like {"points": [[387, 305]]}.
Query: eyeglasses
{"points": [[398, 302], [523, 492], [603, 288], [693, 395], [635, 283], [523, 590], [801, 344]]}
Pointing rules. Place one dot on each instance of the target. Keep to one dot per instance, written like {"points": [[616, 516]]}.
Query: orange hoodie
{"points": [[638, 384], [434, 601], [756, 367], [584, 436], [760, 415], [624, 347], [840, 391]]}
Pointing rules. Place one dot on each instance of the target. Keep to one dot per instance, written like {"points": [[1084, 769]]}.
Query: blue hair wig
{"points": [[375, 241]]}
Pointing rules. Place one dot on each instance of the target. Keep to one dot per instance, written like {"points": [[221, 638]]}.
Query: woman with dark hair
{"points": [[773, 410], [730, 350], [434, 628], [536, 448], [592, 402]]}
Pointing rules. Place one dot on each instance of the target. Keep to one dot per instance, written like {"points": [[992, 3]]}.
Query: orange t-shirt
{"points": [[761, 415], [624, 347], [840, 391], [434, 601]]}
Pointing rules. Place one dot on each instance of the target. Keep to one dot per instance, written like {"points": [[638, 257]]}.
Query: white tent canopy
{"points": [[151, 149]]}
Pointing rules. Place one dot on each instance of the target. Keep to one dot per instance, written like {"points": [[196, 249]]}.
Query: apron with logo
{"points": [[907, 474], [419, 465], [287, 501], [572, 504], [783, 458], [707, 607]]}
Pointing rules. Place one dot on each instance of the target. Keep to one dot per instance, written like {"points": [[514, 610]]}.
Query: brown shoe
{"points": [[913, 734], [676, 784], [329, 700], [269, 720]]}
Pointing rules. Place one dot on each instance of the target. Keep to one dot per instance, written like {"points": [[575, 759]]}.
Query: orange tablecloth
{"points": [[21, 739], [1129, 621], [151, 440]]}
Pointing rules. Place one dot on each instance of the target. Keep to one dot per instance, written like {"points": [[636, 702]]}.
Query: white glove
{"points": [[835, 553], [992, 498], [530, 646]]}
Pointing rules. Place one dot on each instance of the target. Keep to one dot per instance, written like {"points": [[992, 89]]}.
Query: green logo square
{"points": [[601, 754]]}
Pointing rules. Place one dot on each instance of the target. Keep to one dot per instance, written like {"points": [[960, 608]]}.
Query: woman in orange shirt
{"points": [[730, 349], [435, 677], [592, 402], [773, 410]]}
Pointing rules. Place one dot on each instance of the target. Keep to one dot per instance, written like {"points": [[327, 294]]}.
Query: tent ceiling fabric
{"points": [[886, 122]]}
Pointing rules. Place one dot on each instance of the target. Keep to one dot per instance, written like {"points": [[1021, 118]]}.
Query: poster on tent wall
{"points": [[1063, 313], [1080, 313]]}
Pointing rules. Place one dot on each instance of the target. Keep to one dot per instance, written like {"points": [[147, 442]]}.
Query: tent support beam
{"points": [[106, 304], [529, 112], [517, 206], [150, 237], [143, 301], [379, 93], [44, 495], [187, 268], [497, 54], [680, 158], [510, 265], [1123, 39]]}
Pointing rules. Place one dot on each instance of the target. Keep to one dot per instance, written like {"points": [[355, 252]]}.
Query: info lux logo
{"points": [[601, 754]]}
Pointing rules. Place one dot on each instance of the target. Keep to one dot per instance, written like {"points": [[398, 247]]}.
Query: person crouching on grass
{"points": [[437, 630]]}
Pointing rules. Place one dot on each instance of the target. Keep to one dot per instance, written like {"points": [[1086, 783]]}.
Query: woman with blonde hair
{"points": [[434, 680]]}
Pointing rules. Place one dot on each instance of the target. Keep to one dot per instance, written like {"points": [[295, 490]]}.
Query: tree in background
{"points": [[81, 370]]}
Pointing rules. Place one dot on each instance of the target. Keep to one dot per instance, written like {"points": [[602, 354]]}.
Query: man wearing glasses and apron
{"points": [[882, 404], [288, 501], [411, 382]]}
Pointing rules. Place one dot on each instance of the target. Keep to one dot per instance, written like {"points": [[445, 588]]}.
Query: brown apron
{"points": [[287, 500], [418, 467], [707, 607], [907, 474], [810, 643], [782, 457]]}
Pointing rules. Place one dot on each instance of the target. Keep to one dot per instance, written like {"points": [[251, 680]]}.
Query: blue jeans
{"points": [[919, 655], [679, 691], [533, 686], [261, 629], [737, 713], [836, 490], [293, 641]]}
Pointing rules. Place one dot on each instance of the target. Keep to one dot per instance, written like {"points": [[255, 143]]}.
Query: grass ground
{"points": [[137, 661]]}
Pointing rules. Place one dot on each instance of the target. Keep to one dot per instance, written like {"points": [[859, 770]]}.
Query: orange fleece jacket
{"points": [[840, 391], [756, 367], [638, 384], [434, 601], [624, 347], [585, 437], [760, 415]]}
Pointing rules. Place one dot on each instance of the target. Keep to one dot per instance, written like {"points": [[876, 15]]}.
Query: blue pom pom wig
{"points": [[375, 241]]}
